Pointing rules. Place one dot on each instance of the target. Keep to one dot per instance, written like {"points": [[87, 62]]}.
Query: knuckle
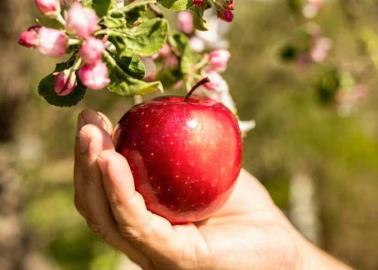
{"points": [[130, 233], [135, 233], [114, 200], [97, 229]]}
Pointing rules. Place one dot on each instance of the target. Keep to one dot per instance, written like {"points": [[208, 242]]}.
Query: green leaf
{"points": [[328, 85], [125, 85], [189, 59], [132, 65], [102, 7], [46, 90], [111, 22], [144, 39], [296, 5], [198, 20], [132, 11], [135, 4], [134, 15], [170, 77], [181, 46], [179, 42], [130, 87], [86, 3], [176, 5], [142, 88]]}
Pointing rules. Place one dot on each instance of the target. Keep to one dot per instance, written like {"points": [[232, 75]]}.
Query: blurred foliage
{"points": [[300, 128]]}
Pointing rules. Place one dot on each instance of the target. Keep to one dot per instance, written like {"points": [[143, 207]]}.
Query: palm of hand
{"points": [[246, 233], [250, 228]]}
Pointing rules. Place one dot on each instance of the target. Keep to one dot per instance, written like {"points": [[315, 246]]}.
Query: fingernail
{"points": [[105, 123], [80, 122], [86, 117], [84, 144]]}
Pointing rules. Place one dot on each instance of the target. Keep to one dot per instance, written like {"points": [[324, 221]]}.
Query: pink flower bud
{"points": [[317, 3], [48, 7], [198, 3], [216, 82], [94, 76], [230, 5], [219, 59], [81, 21], [185, 22], [171, 61], [65, 82], [165, 51], [320, 49], [52, 42], [29, 38], [92, 50], [226, 15]]}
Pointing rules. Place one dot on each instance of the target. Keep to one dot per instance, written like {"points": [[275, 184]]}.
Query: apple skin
{"points": [[185, 155]]}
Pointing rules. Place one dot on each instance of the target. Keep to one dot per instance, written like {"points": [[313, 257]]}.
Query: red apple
{"points": [[185, 155]]}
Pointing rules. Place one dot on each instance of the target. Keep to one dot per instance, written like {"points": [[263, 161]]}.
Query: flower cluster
{"points": [[309, 47], [212, 43], [224, 8], [128, 48], [78, 28]]}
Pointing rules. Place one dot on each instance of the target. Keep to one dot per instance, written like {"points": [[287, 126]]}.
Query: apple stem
{"points": [[195, 87]]}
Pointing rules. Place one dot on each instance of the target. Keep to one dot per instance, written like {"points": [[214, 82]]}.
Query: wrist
{"points": [[313, 258]]}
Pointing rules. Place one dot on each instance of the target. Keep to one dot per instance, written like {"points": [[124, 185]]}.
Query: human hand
{"points": [[248, 232]]}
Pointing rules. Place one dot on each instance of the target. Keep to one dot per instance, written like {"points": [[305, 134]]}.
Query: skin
{"points": [[248, 232]]}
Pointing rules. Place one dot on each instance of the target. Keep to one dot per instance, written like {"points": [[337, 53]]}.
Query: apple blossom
{"points": [[48, 7], [29, 38], [185, 22], [65, 82], [317, 3], [94, 76], [197, 44], [246, 126], [52, 42], [348, 98], [80, 30], [198, 3], [92, 50], [216, 82], [81, 20], [320, 49], [219, 91], [214, 38], [218, 59], [226, 15]]}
